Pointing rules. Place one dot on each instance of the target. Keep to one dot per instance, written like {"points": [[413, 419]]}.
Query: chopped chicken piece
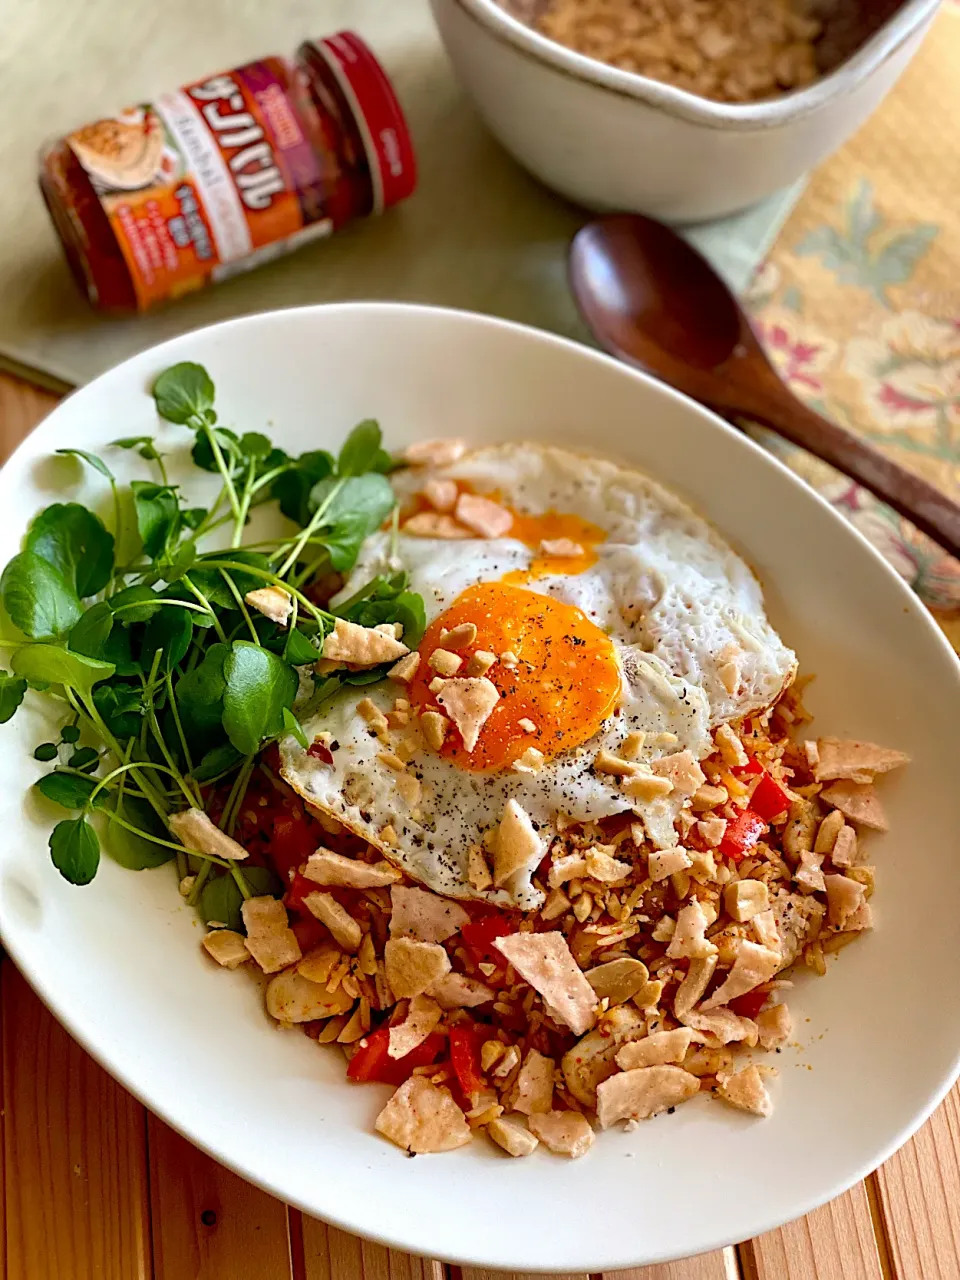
{"points": [[534, 1086], [544, 960], [324, 867], [731, 748], [605, 868], [801, 828], [683, 770], [423, 1117], [196, 832], [845, 852], [606, 762], [746, 1091], [642, 1093], [468, 702], [808, 876], [273, 602], [729, 673], [512, 1136], [337, 919], [423, 1017], [433, 524], [565, 1133], [703, 866], [478, 873], [435, 453], [617, 981], [754, 964], [434, 727], [764, 925], [694, 984], [688, 938], [408, 788], [270, 940], [856, 761], [458, 991], [441, 493], [858, 802], [557, 904], [844, 896], [226, 947], [444, 662], [667, 862], [413, 967], [744, 899], [484, 517], [293, 998], [709, 797], [518, 847], [402, 672], [712, 830], [530, 762], [563, 548], [319, 963], [480, 662], [362, 646], [774, 1025], [571, 866], [424, 916], [655, 1050], [862, 918], [828, 831], [726, 1025], [798, 917], [645, 786]]}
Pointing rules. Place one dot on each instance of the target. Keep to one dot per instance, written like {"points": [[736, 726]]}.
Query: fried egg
{"points": [[650, 625]]}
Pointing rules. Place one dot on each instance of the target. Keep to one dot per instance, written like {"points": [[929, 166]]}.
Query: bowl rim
{"points": [[71, 1017], [679, 103]]}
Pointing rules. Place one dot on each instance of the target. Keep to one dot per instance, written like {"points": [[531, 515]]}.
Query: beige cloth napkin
{"points": [[479, 233]]}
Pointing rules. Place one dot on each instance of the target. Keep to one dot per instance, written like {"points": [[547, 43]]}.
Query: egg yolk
{"points": [[553, 526], [565, 682]]}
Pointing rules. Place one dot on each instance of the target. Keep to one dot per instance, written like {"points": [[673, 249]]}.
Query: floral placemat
{"points": [[859, 305]]}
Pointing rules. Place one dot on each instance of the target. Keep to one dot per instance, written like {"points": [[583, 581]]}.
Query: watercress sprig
{"points": [[173, 681]]}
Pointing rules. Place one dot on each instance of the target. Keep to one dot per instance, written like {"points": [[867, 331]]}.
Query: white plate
{"points": [[119, 963]]}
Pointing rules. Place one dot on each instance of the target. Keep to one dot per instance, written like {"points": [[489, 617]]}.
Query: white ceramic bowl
{"points": [[119, 961], [610, 139]]}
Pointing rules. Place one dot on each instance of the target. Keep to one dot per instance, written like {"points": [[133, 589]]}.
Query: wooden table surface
{"points": [[96, 1188]]}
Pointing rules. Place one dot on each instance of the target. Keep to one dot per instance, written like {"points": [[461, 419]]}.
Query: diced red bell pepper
{"points": [[309, 932], [372, 1061], [747, 770], [769, 798], [750, 1004], [465, 1044], [299, 887], [479, 935], [742, 833], [291, 843]]}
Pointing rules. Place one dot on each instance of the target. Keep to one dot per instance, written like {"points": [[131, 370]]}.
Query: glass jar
{"points": [[227, 172]]}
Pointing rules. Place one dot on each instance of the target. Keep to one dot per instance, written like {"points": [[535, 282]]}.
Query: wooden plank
{"points": [[919, 1194], [722, 1264], [74, 1154], [835, 1241], [329, 1254], [208, 1223], [21, 408]]}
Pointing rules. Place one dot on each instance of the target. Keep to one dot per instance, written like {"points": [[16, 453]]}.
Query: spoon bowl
{"points": [[653, 301]]}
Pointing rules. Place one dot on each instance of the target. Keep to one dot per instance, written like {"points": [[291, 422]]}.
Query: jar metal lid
{"points": [[379, 116]]}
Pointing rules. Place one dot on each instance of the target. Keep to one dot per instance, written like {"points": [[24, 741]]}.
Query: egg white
{"points": [[670, 593]]}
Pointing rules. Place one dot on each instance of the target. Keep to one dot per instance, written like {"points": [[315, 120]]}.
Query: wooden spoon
{"points": [[654, 302]]}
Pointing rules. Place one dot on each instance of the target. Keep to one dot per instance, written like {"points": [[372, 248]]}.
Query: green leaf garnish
{"points": [[37, 597], [75, 850], [182, 392], [258, 687]]}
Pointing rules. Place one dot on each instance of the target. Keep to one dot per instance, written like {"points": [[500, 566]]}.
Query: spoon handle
{"points": [[922, 503]]}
